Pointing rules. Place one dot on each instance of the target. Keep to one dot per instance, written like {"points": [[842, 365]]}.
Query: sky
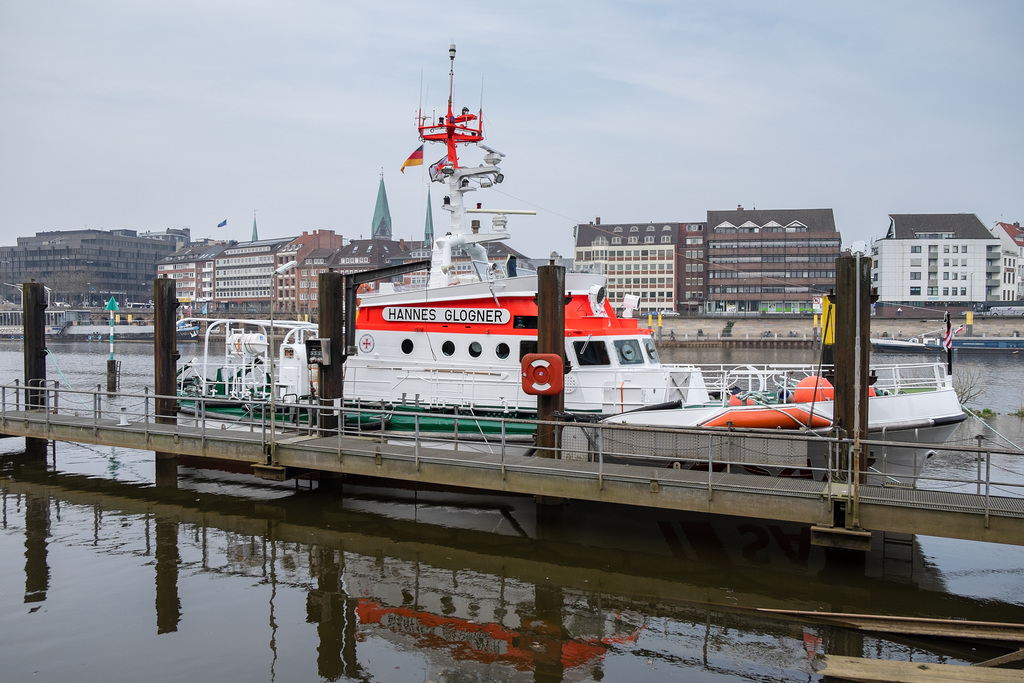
{"points": [[152, 115]]}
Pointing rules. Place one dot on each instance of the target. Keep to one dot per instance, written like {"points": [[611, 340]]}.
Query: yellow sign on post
{"points": [[828, 321]]}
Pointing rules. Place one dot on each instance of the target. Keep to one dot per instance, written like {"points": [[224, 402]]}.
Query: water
{"points": [[107, 577]]}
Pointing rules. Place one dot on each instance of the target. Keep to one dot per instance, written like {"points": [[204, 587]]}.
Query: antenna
{"points": [[451, 76]]}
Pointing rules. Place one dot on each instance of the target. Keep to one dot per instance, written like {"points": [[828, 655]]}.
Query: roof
{"points": [[1014, 231], [586, 232], [815, 220], [908, 226], [203, 252], [381, 228]]}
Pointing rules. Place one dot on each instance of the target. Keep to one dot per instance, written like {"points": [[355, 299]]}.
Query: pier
{"points": [[737, 476]]}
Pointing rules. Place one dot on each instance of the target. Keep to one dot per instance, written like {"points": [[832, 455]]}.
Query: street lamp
{"points": [[273, 382], [18, 287]]}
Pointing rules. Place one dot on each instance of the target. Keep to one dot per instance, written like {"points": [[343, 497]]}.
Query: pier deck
{"points": [[822, 504]]}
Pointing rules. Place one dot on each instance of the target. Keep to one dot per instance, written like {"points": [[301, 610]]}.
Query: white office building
{"points": [[1012, 237], [938, 259]]}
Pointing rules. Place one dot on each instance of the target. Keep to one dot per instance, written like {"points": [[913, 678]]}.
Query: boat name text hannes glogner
{"points": [[494, 316]]}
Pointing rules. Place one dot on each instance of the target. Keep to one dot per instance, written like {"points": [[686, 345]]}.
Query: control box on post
{"points": [[318, 351]]}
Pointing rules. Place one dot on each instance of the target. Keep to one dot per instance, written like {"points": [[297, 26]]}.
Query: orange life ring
{"points": [[542, 374]]}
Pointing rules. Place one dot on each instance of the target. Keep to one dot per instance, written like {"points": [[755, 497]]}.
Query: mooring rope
{"points": [[77, 397], [982, 421]]}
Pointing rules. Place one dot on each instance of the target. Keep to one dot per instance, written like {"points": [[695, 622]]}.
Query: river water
{"points": [[109, 578]]}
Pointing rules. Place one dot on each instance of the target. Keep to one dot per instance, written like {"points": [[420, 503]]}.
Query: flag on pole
{"points": [[415, 159], [222, 223], [436, 173], [947, 341], [204, 309]]}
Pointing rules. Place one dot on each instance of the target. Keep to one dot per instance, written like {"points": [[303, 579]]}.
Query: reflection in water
{"points": [[334, 613], [168, 606], [393, 586], [386, 584], [37, 531]]}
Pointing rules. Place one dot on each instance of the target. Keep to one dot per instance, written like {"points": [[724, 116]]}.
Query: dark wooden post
{"points": [[853, 348], [165, 355], [550, 339], [33, 302], [332, 326]]}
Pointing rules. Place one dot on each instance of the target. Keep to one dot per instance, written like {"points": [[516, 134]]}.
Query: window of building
{"points": [[915, 291], [915, 275], [963, 291], [915, 249]]}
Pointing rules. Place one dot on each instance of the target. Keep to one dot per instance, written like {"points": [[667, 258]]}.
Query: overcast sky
{"points": [[153, 115]]}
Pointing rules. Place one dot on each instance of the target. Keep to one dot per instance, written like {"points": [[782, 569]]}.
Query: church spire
{"points": [[428, 230], [381, 229], [255, 236]]}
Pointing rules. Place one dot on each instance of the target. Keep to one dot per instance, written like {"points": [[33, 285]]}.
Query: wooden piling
{"points": [[550, 339], [332, 326], [853, 347], [33, 299], [165, 356]]}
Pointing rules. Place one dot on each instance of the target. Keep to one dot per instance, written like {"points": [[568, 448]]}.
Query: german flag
{"points": [[415, 159]]}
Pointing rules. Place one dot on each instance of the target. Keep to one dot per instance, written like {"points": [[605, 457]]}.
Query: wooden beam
{"points": [[859, 669], [959, 629], [1005, 659]]}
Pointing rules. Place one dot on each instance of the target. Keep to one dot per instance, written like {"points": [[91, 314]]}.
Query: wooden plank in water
{"points": [[960, 629], [872, 670], [1005, 659]]}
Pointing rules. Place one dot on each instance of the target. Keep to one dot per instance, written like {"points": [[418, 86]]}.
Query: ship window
{"points": [[591, 352], [628, 352], [448, 348], [652, 353], [407, 346], [524, 322], [475, 349], [502, 350], [527, 346]]}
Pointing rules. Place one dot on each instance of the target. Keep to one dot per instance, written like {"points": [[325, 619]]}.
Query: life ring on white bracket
{"points": [[542, 374]]}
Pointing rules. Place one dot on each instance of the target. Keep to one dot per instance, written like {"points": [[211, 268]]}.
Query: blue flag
{"points": [[222, 223], [204, 309]]}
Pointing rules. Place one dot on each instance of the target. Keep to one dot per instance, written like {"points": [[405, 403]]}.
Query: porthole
{"points": [[448, 348], [475, 349], [407, 346], [502, 350]]}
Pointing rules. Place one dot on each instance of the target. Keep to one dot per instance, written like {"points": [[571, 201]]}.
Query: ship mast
{"points": [[451, 129]]}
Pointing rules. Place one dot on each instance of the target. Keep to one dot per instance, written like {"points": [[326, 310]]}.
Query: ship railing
{"points": [[750, 377], [691, 457]]}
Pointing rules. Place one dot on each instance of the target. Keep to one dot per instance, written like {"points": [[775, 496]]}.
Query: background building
{"points": [[637, 258], [1012, 239], [937, 259], [770, 261], [88, 267]]}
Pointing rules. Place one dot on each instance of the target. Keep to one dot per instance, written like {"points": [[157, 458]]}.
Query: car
{"points": [[668, 314], [1006, 310]]}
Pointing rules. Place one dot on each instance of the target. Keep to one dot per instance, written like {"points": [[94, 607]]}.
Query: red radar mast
{"points": [[451, 129]]}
